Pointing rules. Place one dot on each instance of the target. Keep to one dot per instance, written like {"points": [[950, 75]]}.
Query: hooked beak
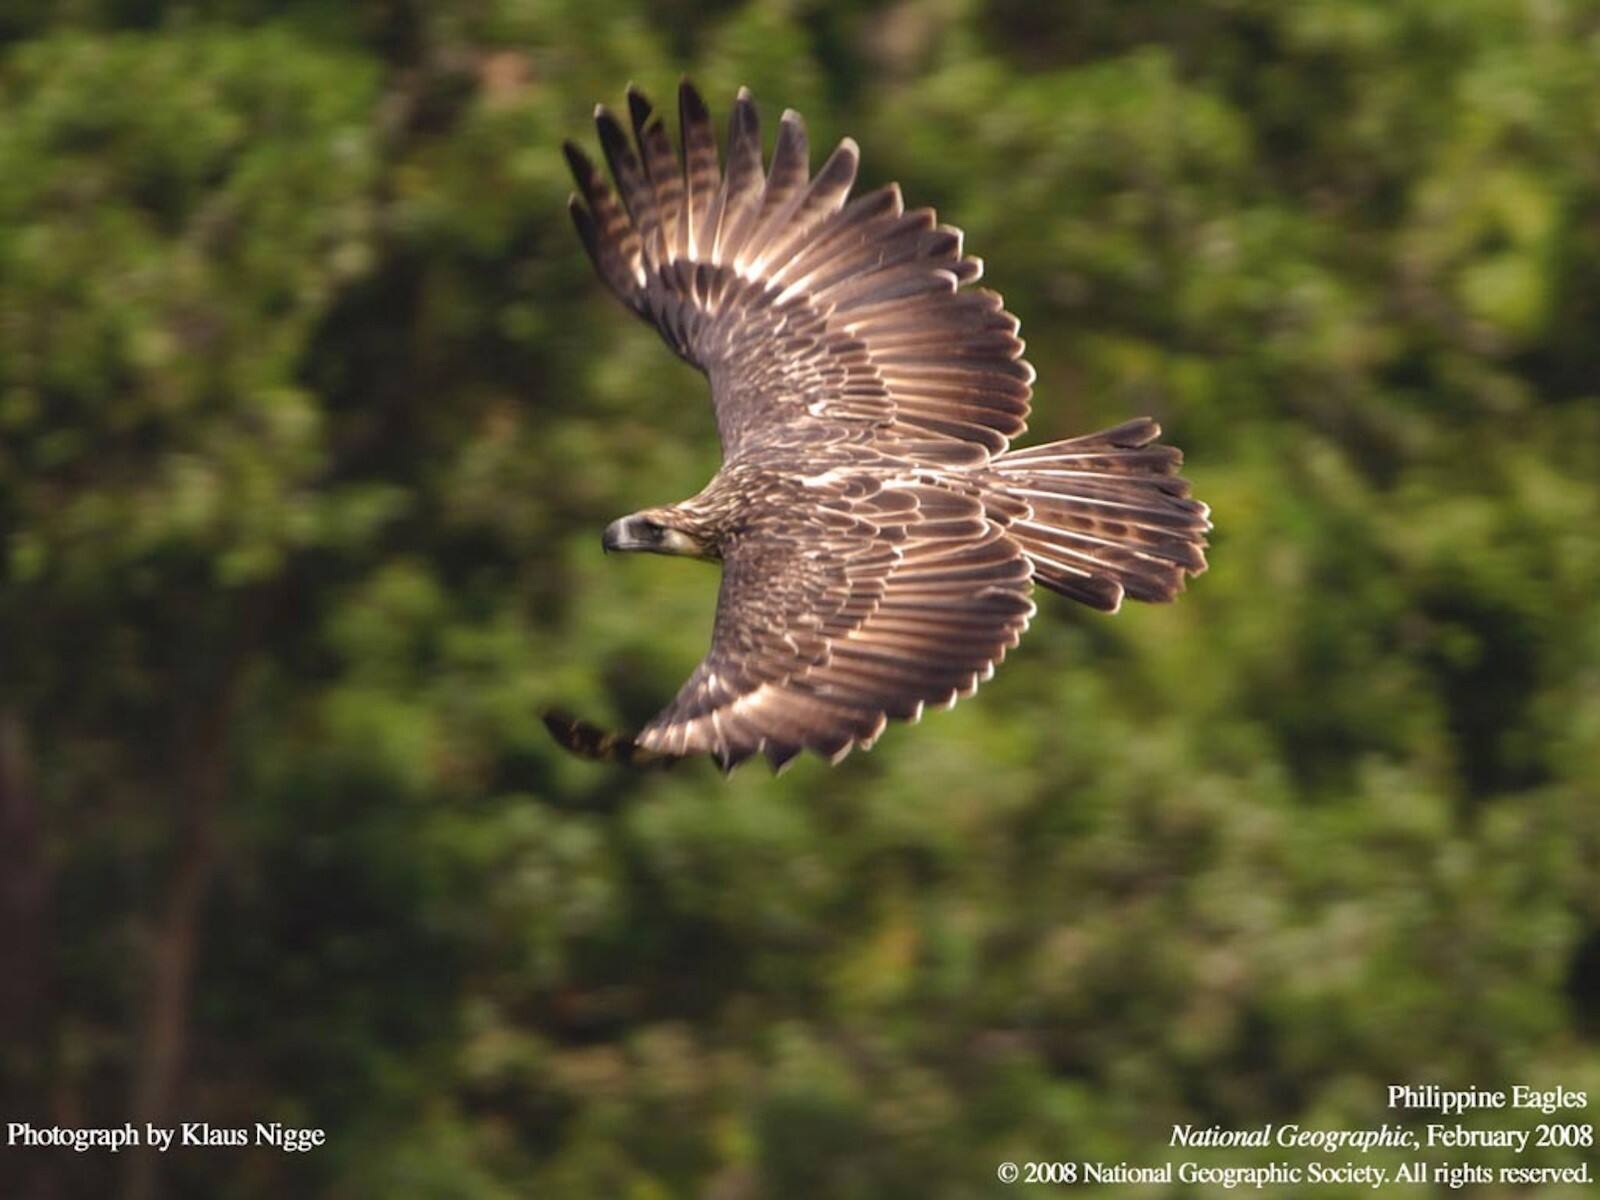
{"points": [[637, 532]]}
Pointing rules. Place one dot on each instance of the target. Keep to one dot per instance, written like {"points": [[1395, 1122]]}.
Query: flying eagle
{"points": [[878, 537]]}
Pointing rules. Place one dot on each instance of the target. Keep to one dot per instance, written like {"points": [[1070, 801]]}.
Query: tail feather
{"points": [[1106, 515]]}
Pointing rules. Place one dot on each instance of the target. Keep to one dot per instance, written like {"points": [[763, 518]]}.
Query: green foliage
{"points": [[311, 414]]}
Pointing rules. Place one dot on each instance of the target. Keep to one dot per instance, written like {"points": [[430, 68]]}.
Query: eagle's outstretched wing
{"points": [[835, 616], [814, 316]]}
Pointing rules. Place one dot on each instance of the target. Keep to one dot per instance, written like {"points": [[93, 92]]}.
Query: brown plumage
{"points": [[878, 538]]}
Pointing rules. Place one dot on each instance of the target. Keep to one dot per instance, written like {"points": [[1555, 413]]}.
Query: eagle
{"points": [[879, 538]]}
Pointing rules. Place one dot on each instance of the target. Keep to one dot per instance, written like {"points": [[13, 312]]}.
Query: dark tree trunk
{"points": [[204, 776], [26, 1050]]}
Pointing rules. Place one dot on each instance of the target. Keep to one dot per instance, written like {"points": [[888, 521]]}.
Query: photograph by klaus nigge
{"points": [[799, 599]]}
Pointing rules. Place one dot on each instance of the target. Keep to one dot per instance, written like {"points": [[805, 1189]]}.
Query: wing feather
{"points": [[666, 178], [786, 231], [742, 183], [790, 166], [638, 192], [701, 175]]}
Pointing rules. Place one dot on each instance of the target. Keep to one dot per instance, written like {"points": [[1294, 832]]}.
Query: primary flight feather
{"points": [[878, 538]]}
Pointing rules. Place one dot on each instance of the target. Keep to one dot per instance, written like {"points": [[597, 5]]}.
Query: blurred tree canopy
{"points": [[310, 416]]}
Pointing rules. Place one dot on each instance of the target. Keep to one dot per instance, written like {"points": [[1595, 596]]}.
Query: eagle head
{"points": [[659, 531]]}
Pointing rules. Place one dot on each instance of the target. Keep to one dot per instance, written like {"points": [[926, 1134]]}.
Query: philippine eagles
{"points": [[878, 537]]}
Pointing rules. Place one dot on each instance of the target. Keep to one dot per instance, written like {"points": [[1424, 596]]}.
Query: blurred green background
{"points": [[311, 414]]}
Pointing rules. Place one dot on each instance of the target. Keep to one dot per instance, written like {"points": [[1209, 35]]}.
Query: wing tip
{"points": [[640, 110], [692, 103], [587, 740]]}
